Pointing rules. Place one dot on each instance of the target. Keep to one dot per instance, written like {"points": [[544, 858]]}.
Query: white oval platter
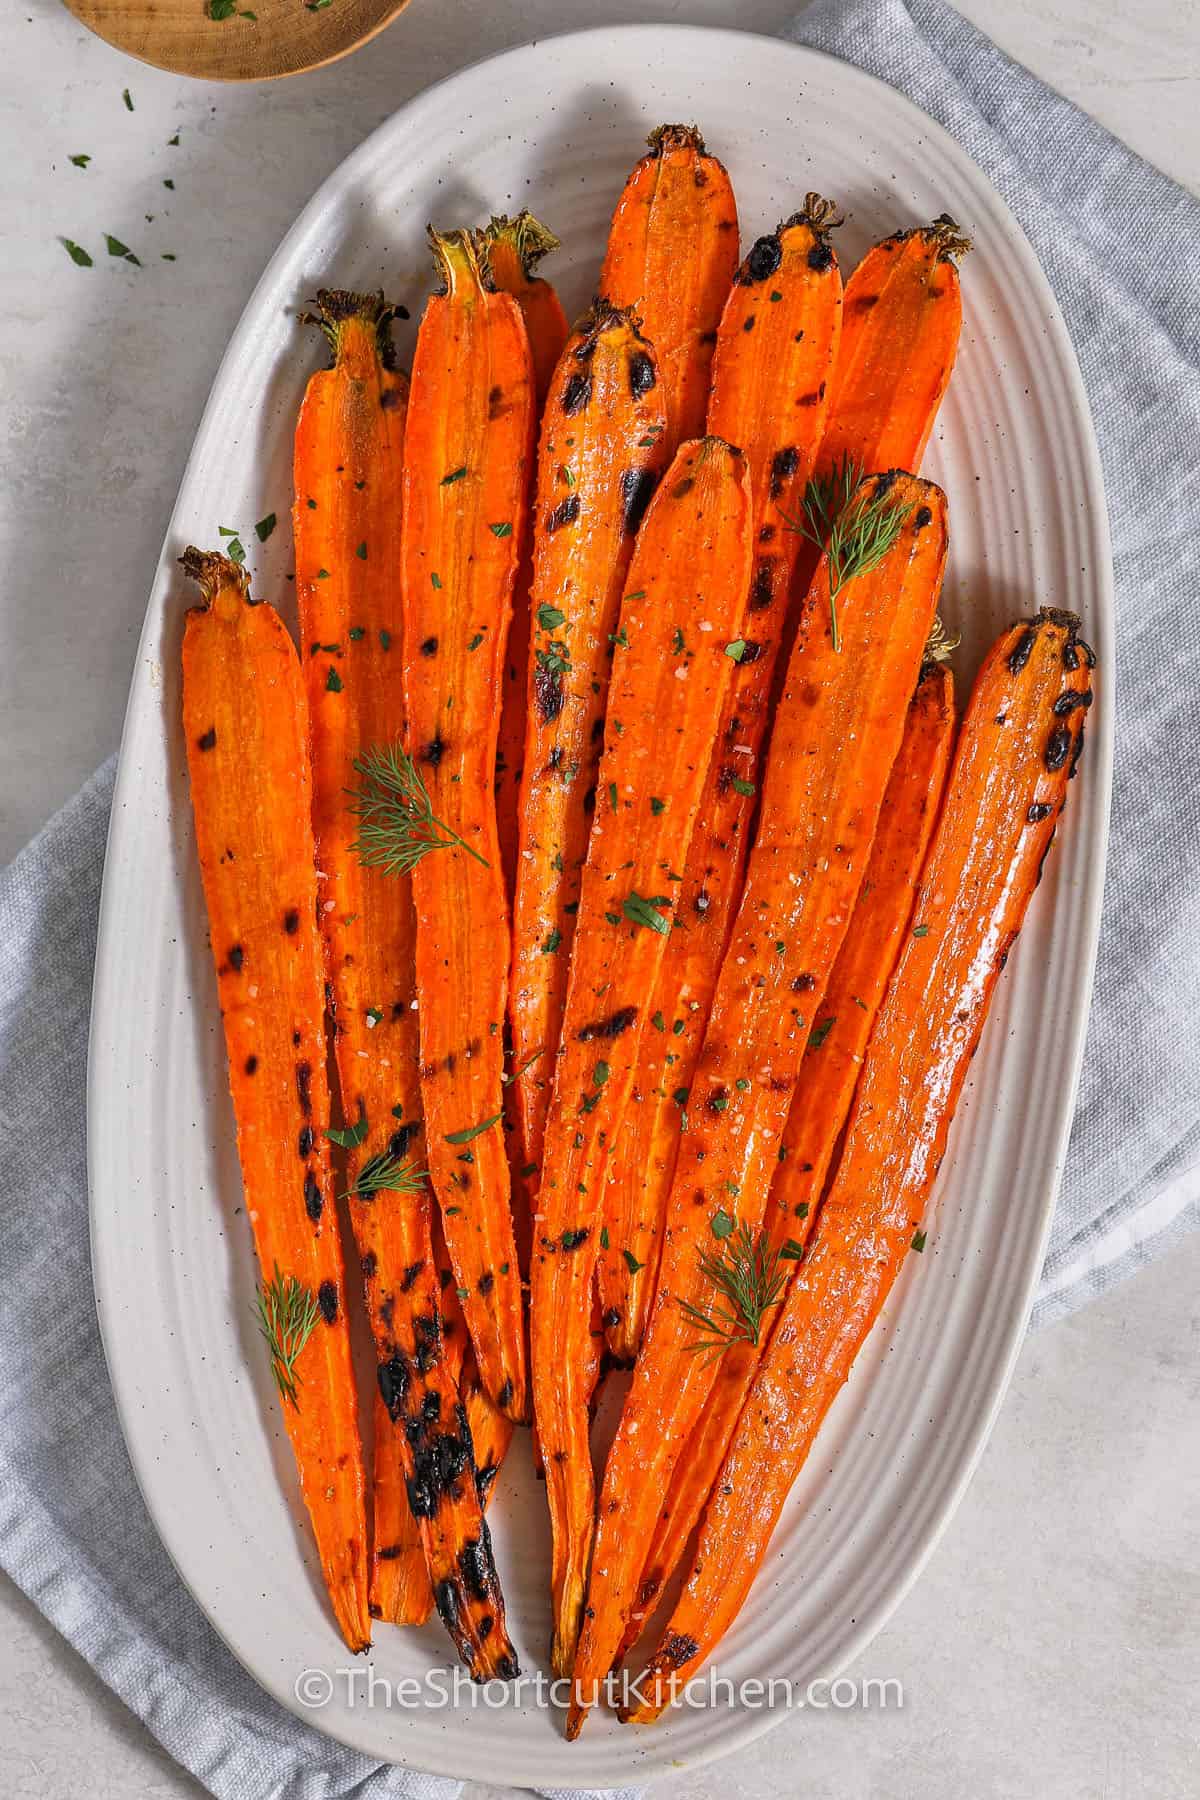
{"points": [[556, 126]]}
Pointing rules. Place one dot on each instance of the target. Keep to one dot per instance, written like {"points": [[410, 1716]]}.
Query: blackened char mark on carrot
{"points": [[611, 1026]]}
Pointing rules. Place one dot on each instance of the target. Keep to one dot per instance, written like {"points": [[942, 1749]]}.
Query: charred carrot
{"points": [[775, 350], [834, 740], [828, 1076], [401, 1592], [600, 455], [672, 250], [900, 329], [346, 526], [678, 621], [466, 468], [244, 720], [1019, 745], [515, 247]]}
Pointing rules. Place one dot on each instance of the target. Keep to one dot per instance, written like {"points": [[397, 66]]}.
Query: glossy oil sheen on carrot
{"points": [[672, 250], [835, 738], [1018, 748], [775, 352], [245, 726], [466, 471], [683, 607]]}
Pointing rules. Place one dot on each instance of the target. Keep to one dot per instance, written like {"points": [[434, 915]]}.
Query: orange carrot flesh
{"points": [[244, 719], [599, 459], [1018, 747], [346, 525], [672, 250], [775, 350], [900, 329], [835, 738], [466, 468], [685, 596], [514, 249], [828, 1076]]}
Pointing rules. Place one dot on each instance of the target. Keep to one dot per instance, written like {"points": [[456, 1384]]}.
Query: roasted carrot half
{"points": [[672, 250], [679, 617], [246, 729], [401, 1591], [900, 328], [600, 456], [1019, 744], [828, 1076], [836, 735], [346, 524], [775, 350], [466, 469], [515, 247]]}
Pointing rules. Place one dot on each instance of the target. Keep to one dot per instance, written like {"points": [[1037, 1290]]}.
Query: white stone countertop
{"points": [[1052, 1648]]}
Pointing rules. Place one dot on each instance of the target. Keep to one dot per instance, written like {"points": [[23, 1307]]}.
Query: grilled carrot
{"points": [[1019, 744], [244, 720], [466, 468], [835, 738], [681, 613], [900, 328], [346, 526], [599, 458], [401, 1592], [828, 1076], [672, 250], [515, 247], [775, 349]]}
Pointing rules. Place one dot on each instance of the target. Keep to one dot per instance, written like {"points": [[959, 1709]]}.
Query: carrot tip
{"points": [[213, 571], [461, 259], [530, 239], [952, 242], [665, 138], [336, 306]]}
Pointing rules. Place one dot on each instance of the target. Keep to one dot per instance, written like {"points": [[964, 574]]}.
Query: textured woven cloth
{"points": [[1121, 245]]}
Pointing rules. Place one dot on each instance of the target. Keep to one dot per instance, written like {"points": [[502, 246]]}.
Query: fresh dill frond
{"points": [[748, 1282], [396, 822], [855, 527], [287, 1313], [385, 1173], [825, 496]]}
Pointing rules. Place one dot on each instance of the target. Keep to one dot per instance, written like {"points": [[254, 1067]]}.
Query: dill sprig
{"points": [[287, 1313], [396, 823], [385, 1173], [748, 1280], [855, 527]]}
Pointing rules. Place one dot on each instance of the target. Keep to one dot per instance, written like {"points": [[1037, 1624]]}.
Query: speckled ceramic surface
{"points": [[557, 126]]}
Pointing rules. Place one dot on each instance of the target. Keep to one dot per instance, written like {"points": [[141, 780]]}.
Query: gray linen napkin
{"points": [[1119, 242]]}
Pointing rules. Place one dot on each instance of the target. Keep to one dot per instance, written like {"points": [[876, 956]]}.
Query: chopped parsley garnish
{"points": [[263, 530], [641, 911], [550, 618], [76, 252]]}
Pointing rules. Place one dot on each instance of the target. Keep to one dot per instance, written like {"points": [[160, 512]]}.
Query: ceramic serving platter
{"points": [[556, 126]]}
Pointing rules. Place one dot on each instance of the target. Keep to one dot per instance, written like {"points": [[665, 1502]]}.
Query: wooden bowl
{"points": [[281, 38]]}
